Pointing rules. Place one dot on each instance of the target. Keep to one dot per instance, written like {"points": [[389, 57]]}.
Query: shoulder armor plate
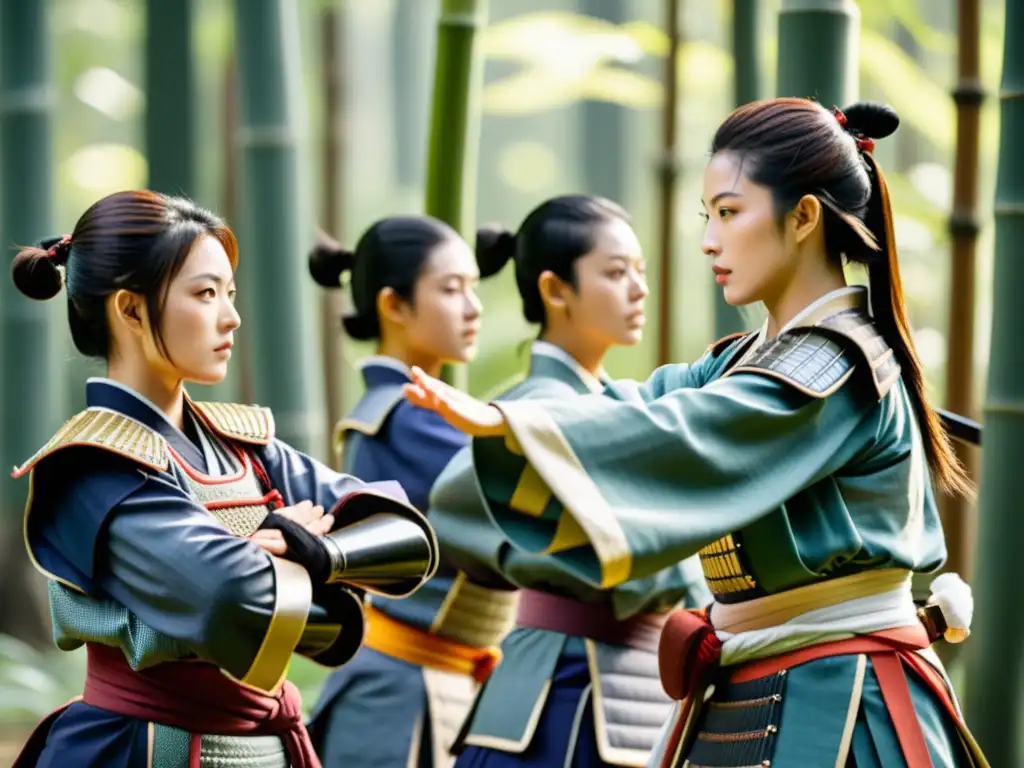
{"points": [[371, 411], [245, 423], [109, 431], [873, 350], [723, 343], [818, 360]]}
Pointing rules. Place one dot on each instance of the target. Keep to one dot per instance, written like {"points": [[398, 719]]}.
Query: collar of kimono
{"points": [[832, 302], [385, 361], [555, 352]]}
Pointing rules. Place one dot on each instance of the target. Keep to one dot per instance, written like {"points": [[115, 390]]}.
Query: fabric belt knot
{"points": [[688, 653]]}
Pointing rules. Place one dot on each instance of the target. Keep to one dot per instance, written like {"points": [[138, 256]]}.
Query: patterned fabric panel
{"points": [[78, 619], [740, 725], [808, 360], [242, 752], [630, 703], [476, 615]]}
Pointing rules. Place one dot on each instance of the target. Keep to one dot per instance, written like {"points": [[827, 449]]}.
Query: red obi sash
{"points": [[689, 653], [193, 696], [540, 610]]}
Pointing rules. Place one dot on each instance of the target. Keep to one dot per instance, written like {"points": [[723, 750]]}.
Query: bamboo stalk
{"points": [[994, 697], [170, 128], [455, 125], [747, 55], [818, 50], [331, 21], [668, 172], [958, 518], [270, 100], [31, 380]]}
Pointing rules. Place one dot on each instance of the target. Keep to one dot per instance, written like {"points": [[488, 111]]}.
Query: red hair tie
{"points": [[840, 117], [865, 145], [61, 245]]}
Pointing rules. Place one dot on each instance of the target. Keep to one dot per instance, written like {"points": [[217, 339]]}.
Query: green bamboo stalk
{"points": [[818, 50], [964, 226], [31, 382], [455, 125], [748, 85], [995, 700], [331, 304], [273, 229], [170, 83], [604, 125], [668, 176], [170, 128], [410, 88]]}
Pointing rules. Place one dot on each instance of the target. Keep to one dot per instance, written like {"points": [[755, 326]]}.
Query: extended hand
{"points": [[467, 414]]}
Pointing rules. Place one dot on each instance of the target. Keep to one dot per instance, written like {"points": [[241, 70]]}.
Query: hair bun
{"points": [[329, 260], [871, 119], [495, 247], [36, 275]]}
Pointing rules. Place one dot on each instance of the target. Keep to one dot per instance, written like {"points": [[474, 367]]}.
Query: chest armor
{"points": [[816, 358], [240, 501]]}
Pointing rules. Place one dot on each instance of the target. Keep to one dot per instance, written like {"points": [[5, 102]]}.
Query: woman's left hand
{"points": [[310, 517]]}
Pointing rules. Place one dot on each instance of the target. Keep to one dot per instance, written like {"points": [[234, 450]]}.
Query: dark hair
{"points": [[551, 238], [134, 240], [390, 254], [796, 147]]}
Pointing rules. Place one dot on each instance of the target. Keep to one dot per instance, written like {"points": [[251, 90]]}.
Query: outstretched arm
{"points": [[620, 488]]}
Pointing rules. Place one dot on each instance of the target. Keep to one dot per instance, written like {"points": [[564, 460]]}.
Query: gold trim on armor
{"points": [[723, 569], [251, 424], [106, 430], [292, 602], [557, 464], [150, 741]]}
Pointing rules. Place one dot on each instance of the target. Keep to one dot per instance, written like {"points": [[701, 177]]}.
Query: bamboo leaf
{"points": [[532, 90], [704, 69], [922, 102], [559, 40], [620, 86]]}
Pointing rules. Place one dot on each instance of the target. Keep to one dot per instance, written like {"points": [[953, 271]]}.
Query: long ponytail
{"points": [[890, 314]]}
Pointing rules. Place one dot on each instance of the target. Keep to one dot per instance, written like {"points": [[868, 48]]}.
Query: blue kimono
{"points": [[391, 706], [141, 529], [578, 683]]}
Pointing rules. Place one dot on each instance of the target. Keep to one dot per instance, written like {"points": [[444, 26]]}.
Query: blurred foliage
{"points": [[35, 682]]}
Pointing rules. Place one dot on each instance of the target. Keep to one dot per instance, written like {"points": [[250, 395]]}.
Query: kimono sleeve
{"points": [[299, 477], [618, 488], [170, 563]]}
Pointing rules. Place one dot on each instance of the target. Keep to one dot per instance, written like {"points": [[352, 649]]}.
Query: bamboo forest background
{"points": [[572, 101]]}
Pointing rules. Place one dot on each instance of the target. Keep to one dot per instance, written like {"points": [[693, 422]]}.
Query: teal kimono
{"points": [[784, 464], [403, 697], [568, 695]]}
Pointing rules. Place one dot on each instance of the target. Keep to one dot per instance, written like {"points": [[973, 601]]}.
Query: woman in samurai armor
{"points": [[797, 460], [578, 683], [186, 547], [412, 288]]}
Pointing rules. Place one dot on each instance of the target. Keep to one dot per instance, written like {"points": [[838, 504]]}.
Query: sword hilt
{"points": [[960, 427]]}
